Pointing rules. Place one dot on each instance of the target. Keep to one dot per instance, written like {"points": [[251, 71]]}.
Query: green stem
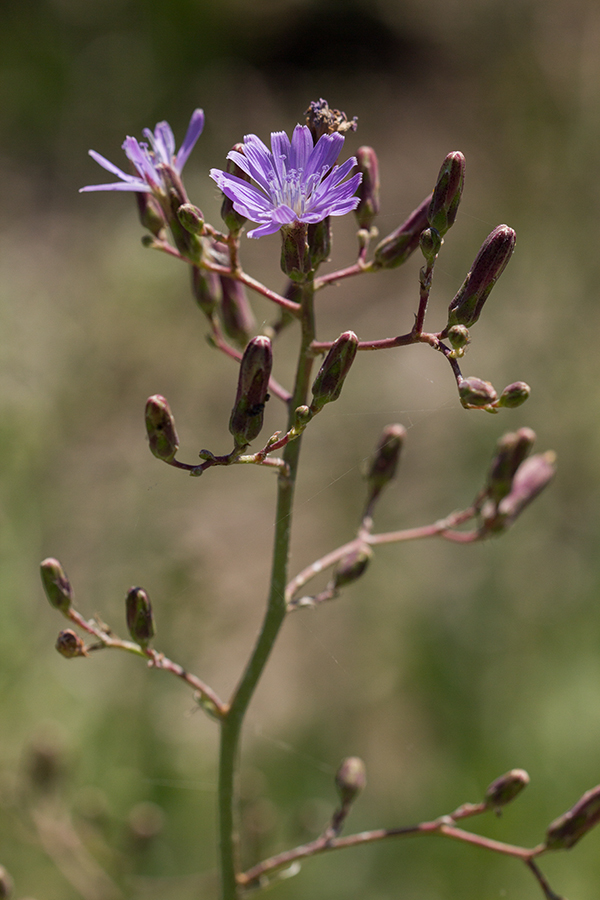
{"points": [[232, 722]]}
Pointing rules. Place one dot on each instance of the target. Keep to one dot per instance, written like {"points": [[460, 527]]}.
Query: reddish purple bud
{"points": [[206, 288], [138, 611], [458, 336], [476, 393], [368, 190], [504, 789], [352, 566], [384, 462], [489, 265], [56, 585], [160, 427], [530, 479], [239, 323], [569, 828], [246, 419], [447, 193], [511, 451], [396, 248], [328, 384]]}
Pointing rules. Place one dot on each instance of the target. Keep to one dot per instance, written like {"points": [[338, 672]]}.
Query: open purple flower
{"points": [[295, 182], [148, 158]]}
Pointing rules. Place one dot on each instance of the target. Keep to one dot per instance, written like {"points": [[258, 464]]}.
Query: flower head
{"points": [[148, 158], [296, 181]]}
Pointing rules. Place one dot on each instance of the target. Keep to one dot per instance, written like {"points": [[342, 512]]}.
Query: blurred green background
{"points": [[446, 665]]}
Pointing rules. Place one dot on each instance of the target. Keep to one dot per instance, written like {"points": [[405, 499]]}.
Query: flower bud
{"points": [[352, 566], [511, 450], [295, 257], [530, 479], [565, 831], [368, 190], [318, 238], [160, 427], [489, 264], [70, 644], [504, 789], [188, 244], [514, 395], [191, 218], [6, 884], [458, 336], [384, 462], [474, 392], [447, 193], [252, 391], [232, 218], [150, 213], [56, 585], [138, 611], [350, 779], [236, 314], [206, 288], [430, 243], [328, 384], [395, 249]]}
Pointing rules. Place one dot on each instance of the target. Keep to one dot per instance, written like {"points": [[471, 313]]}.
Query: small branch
{"points": [[155, 660], [541, 880], [255, 285], [358, 268]]}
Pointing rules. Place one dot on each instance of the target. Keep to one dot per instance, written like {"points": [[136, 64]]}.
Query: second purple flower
{"points": [[296, 181]]}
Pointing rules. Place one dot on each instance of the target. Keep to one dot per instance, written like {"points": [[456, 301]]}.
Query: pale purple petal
{"points": [[280, 143], [325, 153], [191, 136], [162, 142], [110, 167], [302, 147], [260, 161], [139, 186]]}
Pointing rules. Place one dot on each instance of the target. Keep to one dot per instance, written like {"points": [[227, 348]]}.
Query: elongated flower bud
{"points": [[233, 219], [140, 621], [206, 288], [56, 585], [70, 644], [352, 566], [474, 392], [384, 462], [489, 265], [396, 248], [252, 391], [447, 193], [350, 779], [569, 828], [160, 427], [514, 395], [295, 256], [328, 384], [511, 451], [238, 320], [368, 190], [530, 479], [504, 789]]}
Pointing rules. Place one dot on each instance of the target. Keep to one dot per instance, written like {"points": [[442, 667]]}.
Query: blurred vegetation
{"points": [[445, 666]]}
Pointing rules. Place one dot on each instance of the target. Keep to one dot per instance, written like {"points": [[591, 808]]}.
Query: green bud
{"points": [[191, 218], [232, 218], [489, 264], [352, 566], [504, 789], [318, 238], [396, 248], [295, 257], [238, 320], [430, 243], [474, 392], [368, 190], [384, 462], [206, 288], [160, 427], [247, 414], [514, 395], [447, 193], [56, 585], [511, 451], [188, 244], [458, 336], [350, 779], [302, 416], [569, 828], [138, 611], [328, 384], [6, 884], [150, 213], [70, 644]]}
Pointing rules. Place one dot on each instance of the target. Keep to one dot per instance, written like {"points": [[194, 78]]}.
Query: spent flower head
{"points": [[148, 159], [296, 181]]}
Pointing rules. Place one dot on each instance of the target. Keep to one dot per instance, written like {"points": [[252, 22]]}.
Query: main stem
{"points": [[232, 722]]}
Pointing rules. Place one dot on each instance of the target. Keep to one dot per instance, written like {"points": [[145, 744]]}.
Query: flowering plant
{"points": [[297, 187]]}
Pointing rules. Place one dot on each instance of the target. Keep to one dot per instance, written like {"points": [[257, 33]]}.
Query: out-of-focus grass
{"points": [[444, 666]]}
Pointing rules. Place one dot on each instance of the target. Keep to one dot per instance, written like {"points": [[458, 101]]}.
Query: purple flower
{"points": [[296, 182], [148, 158]]}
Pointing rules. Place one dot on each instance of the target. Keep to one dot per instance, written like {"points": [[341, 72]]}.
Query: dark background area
{"points": [[444, 666]]}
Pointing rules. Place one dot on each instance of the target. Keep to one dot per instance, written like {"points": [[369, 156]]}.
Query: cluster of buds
{"points": [[514, 479]]}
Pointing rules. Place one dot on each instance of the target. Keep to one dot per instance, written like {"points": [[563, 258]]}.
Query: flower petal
{"points": [[325, 153], [191, 136], [110, 167], [302, 147], [118, 186]]}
